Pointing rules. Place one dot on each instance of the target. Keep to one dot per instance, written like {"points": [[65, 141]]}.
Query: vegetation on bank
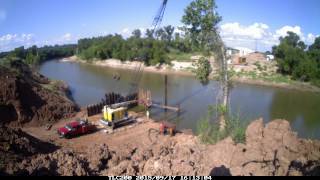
{"points": [[152, 48], [208, 128], [294, 58], [35, 55]]}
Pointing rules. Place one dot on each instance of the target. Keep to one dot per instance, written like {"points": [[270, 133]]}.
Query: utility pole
{"points": [[166, 90], [256, 44]]}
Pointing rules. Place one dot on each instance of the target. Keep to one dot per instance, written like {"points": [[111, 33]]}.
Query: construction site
{"points": [[109, 138], [44, 132]]}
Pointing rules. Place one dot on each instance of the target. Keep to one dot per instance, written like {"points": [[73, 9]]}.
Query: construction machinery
{"points": [[167, 128], [136, 78], [76, 128], [115, 116]]}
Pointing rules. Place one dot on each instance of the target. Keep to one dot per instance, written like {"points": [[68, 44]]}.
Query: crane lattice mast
{"points": [[139, 68]]}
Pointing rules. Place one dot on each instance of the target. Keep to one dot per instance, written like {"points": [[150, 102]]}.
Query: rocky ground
{"points": [[270, 150], [27, 97]]}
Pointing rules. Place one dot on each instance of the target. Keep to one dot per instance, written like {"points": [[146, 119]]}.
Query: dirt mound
{"points": [[59, 163], [270, 150], [26, 96], [16, 145]]}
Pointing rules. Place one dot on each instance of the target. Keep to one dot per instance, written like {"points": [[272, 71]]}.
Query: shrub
{"points": [[209, 132]]}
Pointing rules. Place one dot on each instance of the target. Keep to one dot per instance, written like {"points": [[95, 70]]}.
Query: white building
{"points": [[244, 51], [270, 57]]}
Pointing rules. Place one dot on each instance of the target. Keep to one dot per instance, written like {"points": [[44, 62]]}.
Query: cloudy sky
{"points": [[246, 23]]}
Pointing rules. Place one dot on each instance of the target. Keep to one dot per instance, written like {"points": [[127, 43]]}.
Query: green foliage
{"points": [[209, 131], [316, 82], [35, 55], [294, 60], [203, 70], [150, 49], [32, 58], [275, 78], [259, 66], [201, 20]]}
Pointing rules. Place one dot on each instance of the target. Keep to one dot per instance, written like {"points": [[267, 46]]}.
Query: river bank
{"points": [[186, 70]]}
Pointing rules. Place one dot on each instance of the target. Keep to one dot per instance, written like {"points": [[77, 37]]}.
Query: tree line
{"points": [[152, 47], [296, 59], [35, 55]]}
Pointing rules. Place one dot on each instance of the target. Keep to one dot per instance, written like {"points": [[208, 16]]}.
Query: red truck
{"points": [[76, 128]]}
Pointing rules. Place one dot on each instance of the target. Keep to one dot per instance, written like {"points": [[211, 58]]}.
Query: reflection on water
{"points": [[89, 83]]}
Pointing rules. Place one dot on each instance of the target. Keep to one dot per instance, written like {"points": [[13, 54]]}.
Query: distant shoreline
{"points": [[117, 64]]}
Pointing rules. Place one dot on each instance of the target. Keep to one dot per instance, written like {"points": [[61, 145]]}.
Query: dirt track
{"points": [[132, 135], [270, 150]]}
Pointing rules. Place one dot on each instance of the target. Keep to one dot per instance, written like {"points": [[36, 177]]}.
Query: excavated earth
{"points": [[26, 97], [270, 150]]}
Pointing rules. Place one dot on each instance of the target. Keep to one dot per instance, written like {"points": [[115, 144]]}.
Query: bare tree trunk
{"points": [[224, 87]]}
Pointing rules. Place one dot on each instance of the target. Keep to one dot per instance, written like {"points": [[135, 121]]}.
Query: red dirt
{"points": [[25, 100]]}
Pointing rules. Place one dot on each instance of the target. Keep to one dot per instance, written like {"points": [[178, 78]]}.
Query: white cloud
{"points": [[179, 31], [11, 41], [282, 32], [254, 31], [125, 32], [311, 38], [67, 37], [258, 35]]}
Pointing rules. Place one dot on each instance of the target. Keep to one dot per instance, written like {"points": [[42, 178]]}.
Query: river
{"points": [[89, 83]]}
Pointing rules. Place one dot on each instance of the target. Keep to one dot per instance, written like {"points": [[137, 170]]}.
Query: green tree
{"points": [[32, 58], [149, 33], [201, 21], [315, 45], [290, 53], [203, 70], [19, 52], [169, 30], [161, 34], [137, 33]]}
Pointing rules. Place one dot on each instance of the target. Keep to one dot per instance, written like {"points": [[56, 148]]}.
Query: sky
{"points": [[253, 24]]}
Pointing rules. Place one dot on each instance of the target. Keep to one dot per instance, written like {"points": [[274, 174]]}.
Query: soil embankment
{"points": [[270, 150], [26, 97]]}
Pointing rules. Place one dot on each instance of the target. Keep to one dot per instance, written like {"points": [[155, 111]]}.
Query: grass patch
{"points": [[210, 133], [316, 82], [55, 86], [274, 77], [180, 56]]}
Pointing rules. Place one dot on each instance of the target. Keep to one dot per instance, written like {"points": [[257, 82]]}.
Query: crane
{"points": [[138, 70]]}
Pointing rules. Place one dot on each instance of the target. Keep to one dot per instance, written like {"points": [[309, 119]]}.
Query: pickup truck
{"points": [[76, 128]]}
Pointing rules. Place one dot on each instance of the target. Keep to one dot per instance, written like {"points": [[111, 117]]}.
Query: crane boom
{"points": [[159, 17], [136, 78]]}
